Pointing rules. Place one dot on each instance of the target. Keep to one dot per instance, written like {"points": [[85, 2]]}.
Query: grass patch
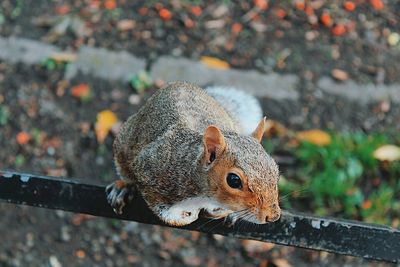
{"points": [[344, 179]]}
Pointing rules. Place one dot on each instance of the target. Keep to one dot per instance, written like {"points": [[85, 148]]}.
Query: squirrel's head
{"points": [[242, 176]]}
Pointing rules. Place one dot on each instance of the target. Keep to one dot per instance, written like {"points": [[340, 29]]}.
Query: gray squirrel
{"points": [[189, 149]]}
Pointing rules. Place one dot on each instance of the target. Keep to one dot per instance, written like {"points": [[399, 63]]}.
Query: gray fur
{"points": [[159, 149]]}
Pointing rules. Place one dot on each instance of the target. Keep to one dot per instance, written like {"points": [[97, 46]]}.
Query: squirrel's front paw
{"points": [[119, 193]]}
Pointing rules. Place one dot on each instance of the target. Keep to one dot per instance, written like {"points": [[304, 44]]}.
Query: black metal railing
{"points": [[293, 229]]}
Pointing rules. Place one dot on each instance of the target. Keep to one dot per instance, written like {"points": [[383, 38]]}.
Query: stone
{"points": [[105, 64], [361, 93], [26, 51]]}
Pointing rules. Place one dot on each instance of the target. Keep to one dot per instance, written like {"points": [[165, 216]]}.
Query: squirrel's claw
{"points": [[118, 195]]}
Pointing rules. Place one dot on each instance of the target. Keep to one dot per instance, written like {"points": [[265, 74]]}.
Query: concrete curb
{"points": [[98, 61], [275, 86], [365, 93], [105, 64]]}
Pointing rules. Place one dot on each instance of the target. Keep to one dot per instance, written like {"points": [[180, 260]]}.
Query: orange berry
{"points": [[165, 14], [23, 138], [349, 6]]}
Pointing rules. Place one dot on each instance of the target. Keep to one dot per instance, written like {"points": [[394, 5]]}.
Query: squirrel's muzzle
{"points": [[273, 213]]}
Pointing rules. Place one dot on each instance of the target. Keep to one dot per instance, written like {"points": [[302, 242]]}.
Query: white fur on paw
{"points": [[187, 211]]}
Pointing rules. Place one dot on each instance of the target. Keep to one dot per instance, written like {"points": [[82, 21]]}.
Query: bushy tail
{"points": [[242, 106]]}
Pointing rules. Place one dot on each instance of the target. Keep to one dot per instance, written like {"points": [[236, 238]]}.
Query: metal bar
{"points": [[339, 236]]}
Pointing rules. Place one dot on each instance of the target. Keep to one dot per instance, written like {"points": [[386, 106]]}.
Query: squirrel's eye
{"points": [[234, 181]]}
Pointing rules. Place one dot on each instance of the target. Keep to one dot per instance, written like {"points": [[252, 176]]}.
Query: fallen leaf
{"points": [[377, 4], [77, 219], [316, 137], [192, 261], [280, 13], [143, 11], [281, 263], [254, 246], [126, 24], [188, 23], [165, 14], [214, 24], [340, 75], [23, 138], [63, 9], [64, 57], [80, 254], [56, 172], [274, 128], [131, 259], [214, 63], [326, 19], [110, 4], [105, 121], [196, 10], [367, 204], [309, 11], [300, 4], [349, 5], [339, 30], [81, 91], [236, 28], [195, 235], [387, 153], [261, 4]]}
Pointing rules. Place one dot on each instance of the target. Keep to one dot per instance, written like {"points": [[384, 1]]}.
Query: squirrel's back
{"points": [[184, 105], [178, 108]]}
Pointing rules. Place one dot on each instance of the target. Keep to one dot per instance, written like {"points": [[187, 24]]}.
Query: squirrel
{"points": [[189, 150]]}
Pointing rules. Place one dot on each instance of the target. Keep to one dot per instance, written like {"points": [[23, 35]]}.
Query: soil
{"points": [[282, 38]]}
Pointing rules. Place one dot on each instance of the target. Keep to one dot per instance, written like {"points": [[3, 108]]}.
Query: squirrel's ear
{"points": [[214, 142], [261, 128]]}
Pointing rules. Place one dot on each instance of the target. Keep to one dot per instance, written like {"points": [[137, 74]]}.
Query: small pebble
{"points": [[51, 151], [339, 74], [134, 99], [65, 234], [393, 39], [54, 262]]}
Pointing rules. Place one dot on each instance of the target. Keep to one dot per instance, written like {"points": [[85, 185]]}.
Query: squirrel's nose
{"points": [[274, 214], [273, 218]]}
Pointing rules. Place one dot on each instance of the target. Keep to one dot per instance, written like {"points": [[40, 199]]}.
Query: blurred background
{"points": [[326, 73]]}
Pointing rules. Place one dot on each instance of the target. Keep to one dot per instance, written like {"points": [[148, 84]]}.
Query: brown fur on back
{"points": [[156, 141]]}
